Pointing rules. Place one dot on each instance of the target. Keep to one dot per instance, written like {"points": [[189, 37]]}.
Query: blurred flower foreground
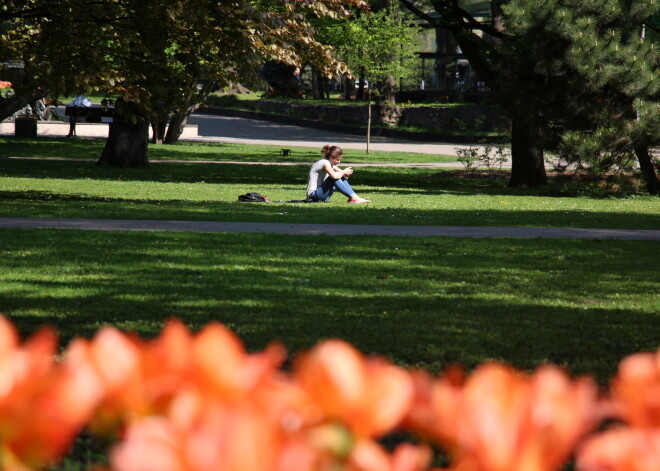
{"points": [[200, 402]]}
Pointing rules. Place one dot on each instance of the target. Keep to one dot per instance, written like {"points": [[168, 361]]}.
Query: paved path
{"points": [[214, 128], [252, 131], [329, 229]]}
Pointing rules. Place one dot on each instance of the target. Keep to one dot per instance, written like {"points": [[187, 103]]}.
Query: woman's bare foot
{"points": [[356, 199]]}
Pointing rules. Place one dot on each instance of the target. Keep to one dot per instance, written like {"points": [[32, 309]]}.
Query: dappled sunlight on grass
{"points": [[581, 304], [91, 148], [200, 192]]}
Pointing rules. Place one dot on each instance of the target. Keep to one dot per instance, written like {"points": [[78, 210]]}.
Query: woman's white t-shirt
{"points": [[317, 175]]}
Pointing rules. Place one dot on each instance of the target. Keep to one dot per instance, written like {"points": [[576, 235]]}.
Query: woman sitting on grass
{"points": [[325, 177]]}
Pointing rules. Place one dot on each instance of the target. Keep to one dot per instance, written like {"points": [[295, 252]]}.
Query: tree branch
{"points": [[460, 15]]}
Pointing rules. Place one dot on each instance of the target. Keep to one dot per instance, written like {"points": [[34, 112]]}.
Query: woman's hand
{"points": [[337, 173]]}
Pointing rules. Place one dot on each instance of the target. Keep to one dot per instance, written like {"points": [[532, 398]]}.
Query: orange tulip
{"points": [[635, 390], [369, 396], [199, 435], [222, 366], [621, 449], [138, 377], [43, 404], [166, 365], [115, 359], [500, 420], [422, 417]]}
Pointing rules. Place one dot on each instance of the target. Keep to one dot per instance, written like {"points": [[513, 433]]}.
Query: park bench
{"points": [[87, 114]]}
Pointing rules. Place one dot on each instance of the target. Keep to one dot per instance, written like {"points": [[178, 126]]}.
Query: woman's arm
{"points": [[335, 172]]}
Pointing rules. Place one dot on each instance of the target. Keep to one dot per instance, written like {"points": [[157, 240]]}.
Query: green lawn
{"points": [[423, 302], [401, 196], [194, 151], [583, 304]]}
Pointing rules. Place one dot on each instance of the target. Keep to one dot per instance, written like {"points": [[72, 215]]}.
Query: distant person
{"points": [[325, 177], [81, 101], [297, 82]]}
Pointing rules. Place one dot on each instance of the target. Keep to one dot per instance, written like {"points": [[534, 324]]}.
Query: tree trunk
{"points": [[181, 114], [317, 80], [387, 95], [177, 123], [325, 88], [359, 94], [368, 121], [349, 86], [127, 144], [527, 164], [158, 127], [646, 166]]}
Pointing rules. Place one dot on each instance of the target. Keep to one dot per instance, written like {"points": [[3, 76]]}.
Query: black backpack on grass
{"points": [[254, 198], [259, 198]]}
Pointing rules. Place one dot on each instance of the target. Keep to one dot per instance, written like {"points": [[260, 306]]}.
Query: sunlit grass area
{"points": [[401, 196], [84, 148], [422, 302]]}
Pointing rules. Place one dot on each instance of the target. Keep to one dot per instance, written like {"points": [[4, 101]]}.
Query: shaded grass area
{"points": [[422, 302], [401, 196], [84, 148]]}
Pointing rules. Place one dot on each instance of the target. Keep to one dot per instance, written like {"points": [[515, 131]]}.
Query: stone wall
{"points": [[439, 118]]}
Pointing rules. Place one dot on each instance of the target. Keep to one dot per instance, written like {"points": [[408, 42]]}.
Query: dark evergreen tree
{"points": [[610, 53], [558, 67]]}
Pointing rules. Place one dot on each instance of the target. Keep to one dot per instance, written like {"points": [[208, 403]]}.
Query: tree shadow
{"points": [[42, 203], [427, 304]]}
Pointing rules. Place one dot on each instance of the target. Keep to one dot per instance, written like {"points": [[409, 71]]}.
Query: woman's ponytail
{"points": [[331, 151]]}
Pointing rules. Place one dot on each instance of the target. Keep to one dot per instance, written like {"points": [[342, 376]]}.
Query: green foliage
{"points": [[560, 66], [469, 157], [601, 67], [154, 52], [377, 44], [603, 151]]}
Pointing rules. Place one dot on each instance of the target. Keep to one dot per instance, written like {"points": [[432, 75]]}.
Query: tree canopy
{"points": [[378, 44], [153, 54], [558, 66]]}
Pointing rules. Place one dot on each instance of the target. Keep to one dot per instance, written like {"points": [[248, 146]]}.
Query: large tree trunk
{"points": [[359, 93], [127, 144], [527, 164], [646, 166]]}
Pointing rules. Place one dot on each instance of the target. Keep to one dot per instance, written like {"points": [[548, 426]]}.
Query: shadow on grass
{"points": [[35, 203], [91, 148], [379, 179], [580, 304]]}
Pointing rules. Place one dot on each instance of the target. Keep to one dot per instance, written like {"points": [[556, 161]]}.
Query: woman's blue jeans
{"points": [[325, 191]]}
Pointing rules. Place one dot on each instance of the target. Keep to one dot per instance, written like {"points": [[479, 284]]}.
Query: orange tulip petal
{"points": [[636, 390], [621, 449]]}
